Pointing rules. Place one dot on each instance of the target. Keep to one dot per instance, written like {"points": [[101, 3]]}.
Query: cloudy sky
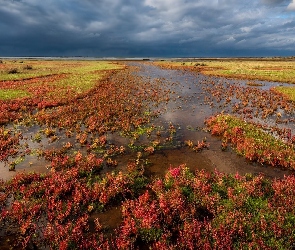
{"points": [[147, 28]]}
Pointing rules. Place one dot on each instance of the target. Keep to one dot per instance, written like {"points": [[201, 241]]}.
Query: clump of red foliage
{"points": [[180, 211]]}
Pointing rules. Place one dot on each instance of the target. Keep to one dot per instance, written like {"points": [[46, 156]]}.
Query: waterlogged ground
{"points": [[190, 105], [101, 155], [191, 101]]}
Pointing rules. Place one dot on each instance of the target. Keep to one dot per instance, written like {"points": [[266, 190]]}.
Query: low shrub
{"points": [[28, 67], [13, 71]]}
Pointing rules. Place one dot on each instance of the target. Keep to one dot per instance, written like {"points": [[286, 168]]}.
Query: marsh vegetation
{"points": [[160, 155]]}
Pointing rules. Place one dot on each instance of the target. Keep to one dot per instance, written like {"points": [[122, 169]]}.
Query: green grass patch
{"points": [[288, 91], [80, 83], [39, 68], [54, 80], [8, 94]]}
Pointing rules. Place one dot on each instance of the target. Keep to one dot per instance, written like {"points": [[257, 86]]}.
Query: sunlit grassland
{"points": [[268, 70], [288, 91], [76, 76], [7, 94], [38, 68], [83, 77], [80, 81]]}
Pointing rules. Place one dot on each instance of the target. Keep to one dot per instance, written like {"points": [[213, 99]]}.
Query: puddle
{"points": [[109, 220]]}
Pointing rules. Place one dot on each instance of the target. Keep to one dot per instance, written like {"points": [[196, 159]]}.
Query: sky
{"points": [[147, 28]]}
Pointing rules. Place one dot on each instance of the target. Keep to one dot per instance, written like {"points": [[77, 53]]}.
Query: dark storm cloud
{"points": [[146, 28]]}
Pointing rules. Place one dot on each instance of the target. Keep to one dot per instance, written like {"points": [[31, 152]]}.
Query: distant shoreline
{"points": [[82, 58]]}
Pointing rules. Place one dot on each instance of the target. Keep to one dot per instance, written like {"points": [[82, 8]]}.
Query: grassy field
{"points": [[287, 91], [26, 69], [78, 76]]}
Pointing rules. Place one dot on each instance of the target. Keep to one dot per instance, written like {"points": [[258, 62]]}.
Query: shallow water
{"points": [[187, 109]]}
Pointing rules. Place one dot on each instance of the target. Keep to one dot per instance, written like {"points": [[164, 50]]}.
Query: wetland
{"points": [[135, 154]]}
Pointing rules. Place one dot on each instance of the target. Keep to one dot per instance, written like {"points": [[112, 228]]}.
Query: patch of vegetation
{"points": [[182, 210], [252, 142], [210, 211], [255, 84], [287, 91], [28, 67], [52, 67], [13, 71], [9, 94]]}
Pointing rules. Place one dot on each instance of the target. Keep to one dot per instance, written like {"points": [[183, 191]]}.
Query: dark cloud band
{"points": [[146, 28]]}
